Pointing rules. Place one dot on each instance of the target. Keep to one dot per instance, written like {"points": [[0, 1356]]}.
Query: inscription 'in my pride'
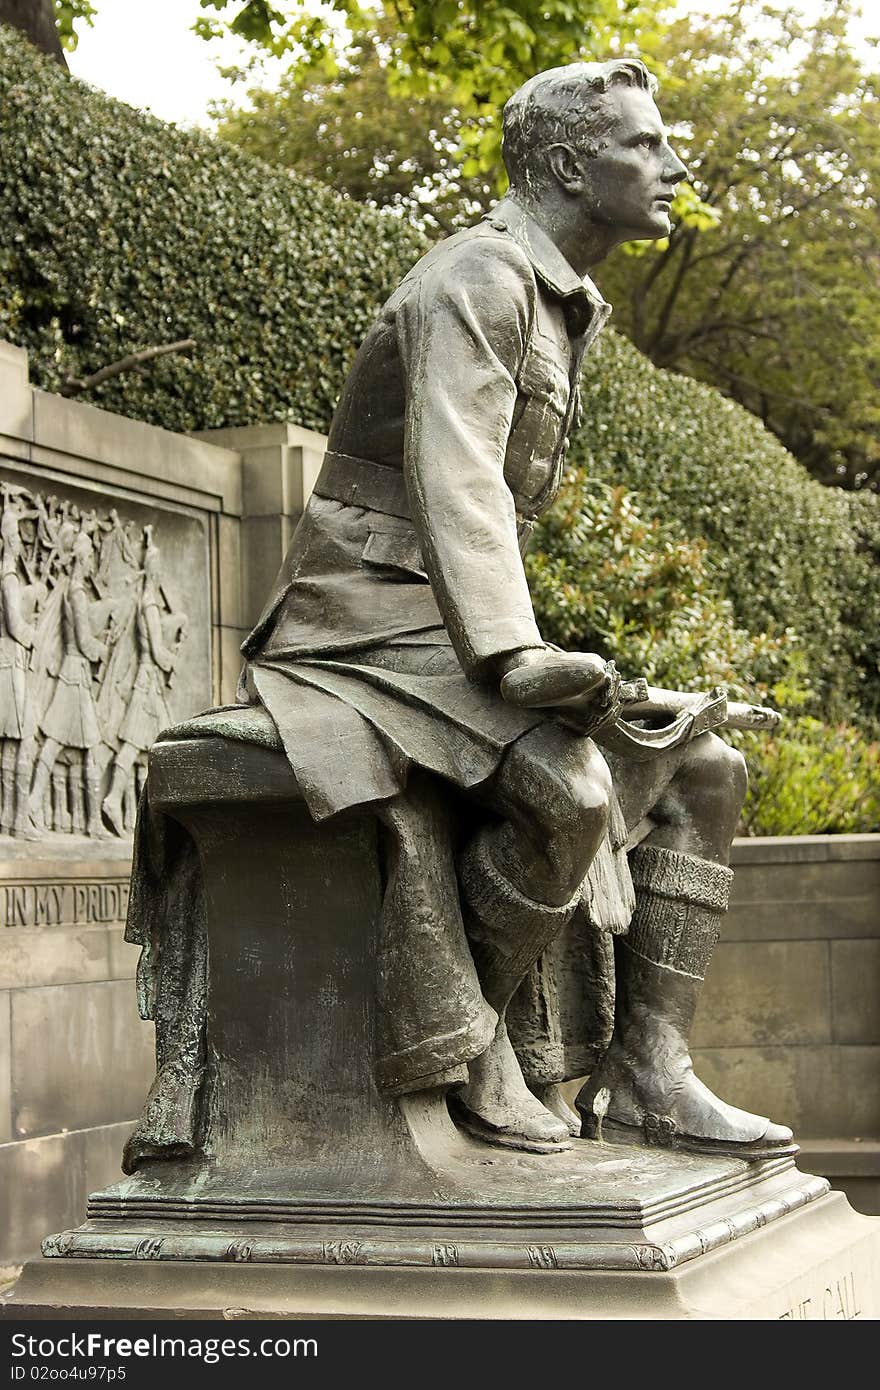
{"points": [[63, 904]]}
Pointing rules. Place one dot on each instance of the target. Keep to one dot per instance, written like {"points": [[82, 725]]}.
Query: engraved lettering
{"points": [[63, 904], [240, 1251], [149, 1249], [18, 915]]}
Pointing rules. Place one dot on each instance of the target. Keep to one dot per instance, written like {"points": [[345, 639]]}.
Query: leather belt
{"points": [[363, 483], [378, 487]]}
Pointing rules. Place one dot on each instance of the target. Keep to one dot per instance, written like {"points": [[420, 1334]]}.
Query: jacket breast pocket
{"points": [[539, 422], [397, 555]]}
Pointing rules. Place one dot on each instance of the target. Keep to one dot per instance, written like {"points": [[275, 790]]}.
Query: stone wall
{"points": [[75, 1059], [789, 1022]]}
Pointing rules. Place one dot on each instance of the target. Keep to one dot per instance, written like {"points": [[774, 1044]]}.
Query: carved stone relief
{"points": [[90, 639]]}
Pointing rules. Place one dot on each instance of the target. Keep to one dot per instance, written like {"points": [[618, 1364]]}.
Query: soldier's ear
{"points": [[567, 167]]}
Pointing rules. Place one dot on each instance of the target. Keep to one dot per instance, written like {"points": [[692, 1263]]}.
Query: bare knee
{"points": [[705, 798], [563, 811], [720, 770]]}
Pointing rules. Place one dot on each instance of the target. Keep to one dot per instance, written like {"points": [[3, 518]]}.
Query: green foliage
{"points": [[791, 557], [69, 13], [118, 232], [400, 152], [604, 578], [778, 118], [471, 54], [811, 779]]}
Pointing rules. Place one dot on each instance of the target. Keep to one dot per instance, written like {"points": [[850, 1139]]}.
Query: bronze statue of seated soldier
{"points": [[399, 665]]}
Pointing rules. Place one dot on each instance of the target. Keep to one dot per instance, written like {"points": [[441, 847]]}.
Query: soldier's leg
{"points": [[23, 829], [686, 806], [7, 783], [119, 781], [45, 763], [520, 878], [95, 827]]}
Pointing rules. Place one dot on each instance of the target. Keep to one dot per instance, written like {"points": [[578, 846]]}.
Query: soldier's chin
{"points": [[659, 221]]}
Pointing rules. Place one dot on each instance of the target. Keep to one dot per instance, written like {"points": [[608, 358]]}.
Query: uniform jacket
{"points": [[448, 441]]}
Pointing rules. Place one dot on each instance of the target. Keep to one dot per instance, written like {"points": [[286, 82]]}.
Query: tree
{"points": [[398, 152], [467, 54], [49, 24], [779, 306]]}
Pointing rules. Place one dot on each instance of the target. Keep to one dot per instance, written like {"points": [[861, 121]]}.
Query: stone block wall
{"points": [[789, 1021], [75, 1059]]}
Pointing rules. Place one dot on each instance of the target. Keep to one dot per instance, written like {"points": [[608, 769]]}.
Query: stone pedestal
{"points": [[819, 1263], [317, 1195]]}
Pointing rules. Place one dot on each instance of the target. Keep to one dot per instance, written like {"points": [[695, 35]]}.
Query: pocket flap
{"points": [[395, 550]]}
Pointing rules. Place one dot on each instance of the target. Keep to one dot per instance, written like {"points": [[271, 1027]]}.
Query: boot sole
{"points": [[503, 1139], [616, 1132]]}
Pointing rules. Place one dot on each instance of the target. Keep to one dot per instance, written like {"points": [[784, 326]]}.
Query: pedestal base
{"points": [[822, 1262]]}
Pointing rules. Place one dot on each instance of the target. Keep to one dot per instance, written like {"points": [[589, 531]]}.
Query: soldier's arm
{"points": [[20, 629], [462, 332], [162, 655], [88, 644]]}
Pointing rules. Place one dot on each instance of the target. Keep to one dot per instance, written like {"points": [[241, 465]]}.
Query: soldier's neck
{"points": [[583, 243]]}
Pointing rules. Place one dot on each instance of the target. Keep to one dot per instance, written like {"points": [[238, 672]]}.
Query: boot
{"points": [[61, 819], [644, 1091], [95, 828], [113, 800], [23, 829]]}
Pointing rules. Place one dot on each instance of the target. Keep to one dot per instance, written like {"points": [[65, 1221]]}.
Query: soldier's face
{"points": [[630, 182]]}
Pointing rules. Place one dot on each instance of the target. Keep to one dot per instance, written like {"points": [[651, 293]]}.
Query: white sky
{"points": [[148, 56]]}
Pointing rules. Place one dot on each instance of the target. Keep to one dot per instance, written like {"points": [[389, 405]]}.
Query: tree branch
{"points": [[133, 363]]}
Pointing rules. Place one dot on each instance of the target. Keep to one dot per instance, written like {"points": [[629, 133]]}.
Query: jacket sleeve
{"points": [[462, 331]]}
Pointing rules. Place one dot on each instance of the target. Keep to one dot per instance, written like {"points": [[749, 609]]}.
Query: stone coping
{"points": [[841, 1158], [803, 849], [755, 849]]}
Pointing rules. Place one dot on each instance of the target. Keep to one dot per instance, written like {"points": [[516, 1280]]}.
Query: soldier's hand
{"points": [[580, 685]]}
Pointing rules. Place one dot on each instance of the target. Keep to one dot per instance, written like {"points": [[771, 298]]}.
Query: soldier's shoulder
{"points": [[488, 246], [478, 255]]}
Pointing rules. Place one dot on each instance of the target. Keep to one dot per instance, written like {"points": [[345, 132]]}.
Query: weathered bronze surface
{"points": [[429, 869]]}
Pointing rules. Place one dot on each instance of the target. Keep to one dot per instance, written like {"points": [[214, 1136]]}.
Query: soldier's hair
{"points": [[562, 106]]}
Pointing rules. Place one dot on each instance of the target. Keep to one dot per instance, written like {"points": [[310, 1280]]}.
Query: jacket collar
{"points": [[546, 259]]}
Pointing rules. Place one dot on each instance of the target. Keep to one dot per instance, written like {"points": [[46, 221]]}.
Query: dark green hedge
{"points": [[118, 232]]}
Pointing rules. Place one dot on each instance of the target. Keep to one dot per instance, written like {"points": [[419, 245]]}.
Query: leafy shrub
{"points": [[811, 779], [118, 232], [790, 555], [604, 578]]}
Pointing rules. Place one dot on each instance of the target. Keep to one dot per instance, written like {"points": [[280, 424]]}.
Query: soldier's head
{"points": [[589, 138], [84, 553]]}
